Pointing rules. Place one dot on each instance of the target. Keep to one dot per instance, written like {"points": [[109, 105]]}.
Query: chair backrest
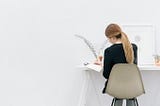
{"points": [[125, 81]]}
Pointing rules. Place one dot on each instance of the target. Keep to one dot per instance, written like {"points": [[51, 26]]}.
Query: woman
{"points": [[121, 51]]}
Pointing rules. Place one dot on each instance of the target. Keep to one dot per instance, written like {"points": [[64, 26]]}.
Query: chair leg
{"points": [[136, 102], [113, 101]]}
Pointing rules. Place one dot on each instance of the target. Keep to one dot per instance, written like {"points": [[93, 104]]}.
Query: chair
{"points": [[125, 82]]}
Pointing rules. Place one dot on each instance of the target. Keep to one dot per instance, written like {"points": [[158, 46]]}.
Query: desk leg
{"points": [[90, 82]]}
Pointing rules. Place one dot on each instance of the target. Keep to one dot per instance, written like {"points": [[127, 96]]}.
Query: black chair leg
{"points": [[136, 102], [113, 101]]}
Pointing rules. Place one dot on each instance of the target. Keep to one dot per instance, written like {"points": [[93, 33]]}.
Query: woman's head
{"points": [[114, 32]]}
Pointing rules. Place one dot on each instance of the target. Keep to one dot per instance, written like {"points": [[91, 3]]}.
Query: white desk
{"points": [[151, 80], [149, 67], [142, 67]]}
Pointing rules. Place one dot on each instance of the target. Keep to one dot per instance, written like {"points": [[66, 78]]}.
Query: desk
{"points": [[141, 67], [151, 79], [149, 67]]}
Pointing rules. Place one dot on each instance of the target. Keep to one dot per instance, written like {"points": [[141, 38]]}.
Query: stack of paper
{"points": [[94, 67]]}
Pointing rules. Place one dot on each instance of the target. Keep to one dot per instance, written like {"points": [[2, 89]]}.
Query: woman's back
{"points": [[115, 54]]}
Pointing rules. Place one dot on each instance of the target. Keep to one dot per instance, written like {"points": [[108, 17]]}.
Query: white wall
{"points": [[35, 53], [38, 52]]}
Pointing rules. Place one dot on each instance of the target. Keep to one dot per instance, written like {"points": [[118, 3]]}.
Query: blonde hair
{"points": [[113, 30]]}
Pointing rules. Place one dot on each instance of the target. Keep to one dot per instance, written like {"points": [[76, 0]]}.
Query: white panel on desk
{"points": [[144, 37]]}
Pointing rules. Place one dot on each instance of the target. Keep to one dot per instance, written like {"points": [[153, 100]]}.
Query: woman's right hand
{"points": [[98, 61]]}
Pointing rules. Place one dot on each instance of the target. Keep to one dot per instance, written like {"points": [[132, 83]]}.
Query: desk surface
{"points": [[149, 67], [141, 67]]}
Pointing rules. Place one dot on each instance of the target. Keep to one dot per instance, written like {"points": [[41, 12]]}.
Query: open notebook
{"points": [[94, 67]]}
